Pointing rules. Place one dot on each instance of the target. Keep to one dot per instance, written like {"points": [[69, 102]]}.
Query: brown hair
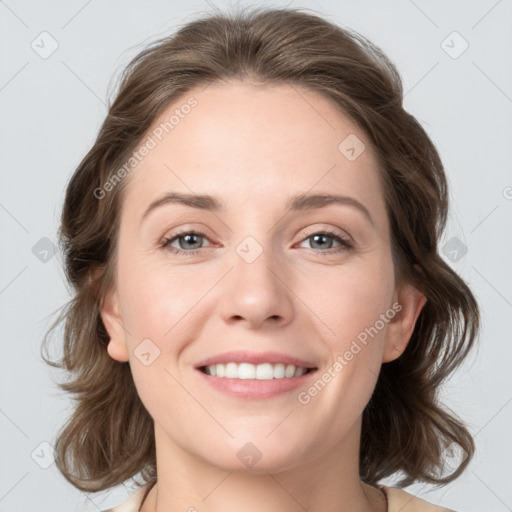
{"points": [[109, 438]]}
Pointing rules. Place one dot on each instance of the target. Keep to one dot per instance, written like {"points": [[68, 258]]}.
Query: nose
{"points": [[258, 292]]}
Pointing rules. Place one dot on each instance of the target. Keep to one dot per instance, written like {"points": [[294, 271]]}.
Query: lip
{"points": [[246, 356], [255, 389]]}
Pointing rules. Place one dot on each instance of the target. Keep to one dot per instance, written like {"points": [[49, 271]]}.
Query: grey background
{"points": [[51, 109]]}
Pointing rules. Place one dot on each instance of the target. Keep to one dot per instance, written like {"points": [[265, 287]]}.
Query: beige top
{"points": [[398, 501]]}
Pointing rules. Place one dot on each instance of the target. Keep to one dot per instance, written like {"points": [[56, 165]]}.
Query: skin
{"points": [[253, 146]]}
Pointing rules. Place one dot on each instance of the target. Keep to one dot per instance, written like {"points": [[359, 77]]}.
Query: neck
{"points": [[329, 482]]}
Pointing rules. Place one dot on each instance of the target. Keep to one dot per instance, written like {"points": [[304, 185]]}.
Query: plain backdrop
{"points": [[57, 61]]}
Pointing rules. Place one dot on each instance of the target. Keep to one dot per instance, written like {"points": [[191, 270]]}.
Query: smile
{"points": [[264, 371]]}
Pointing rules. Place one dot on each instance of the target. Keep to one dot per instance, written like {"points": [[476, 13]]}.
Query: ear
{"points": [[409, 303], [113, 321]]}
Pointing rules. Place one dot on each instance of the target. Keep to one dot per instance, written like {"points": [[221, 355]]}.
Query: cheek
{"points": [[156, 309], [357, 307], [157, 299], [350, 299], [352, 302], [160, 308]]}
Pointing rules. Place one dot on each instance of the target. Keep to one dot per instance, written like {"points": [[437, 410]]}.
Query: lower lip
{"points": [[256, 388]]}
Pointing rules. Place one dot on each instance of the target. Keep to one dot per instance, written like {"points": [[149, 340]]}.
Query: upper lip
{"points": [[245, 356]]}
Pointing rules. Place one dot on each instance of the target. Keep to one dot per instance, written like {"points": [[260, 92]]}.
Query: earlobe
{"points": [[401, 327], [113, 322]]}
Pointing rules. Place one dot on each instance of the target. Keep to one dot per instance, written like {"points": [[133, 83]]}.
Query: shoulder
{"points": [[133, 503], [401, 501]]}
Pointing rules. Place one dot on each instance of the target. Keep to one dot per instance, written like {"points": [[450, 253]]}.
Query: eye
{"points": [[321, 240], [189, 242]]}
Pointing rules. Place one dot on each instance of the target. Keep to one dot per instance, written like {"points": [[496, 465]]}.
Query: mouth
{"points": [[249, 371], [249, 375]]}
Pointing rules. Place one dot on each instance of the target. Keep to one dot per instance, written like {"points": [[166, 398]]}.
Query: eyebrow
{"points": [[299, 202]]}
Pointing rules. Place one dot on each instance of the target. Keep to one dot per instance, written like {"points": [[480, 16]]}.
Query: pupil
{"points": [[189, 239], [316, 237]]}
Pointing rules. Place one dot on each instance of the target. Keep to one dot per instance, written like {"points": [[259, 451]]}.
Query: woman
{"points": [[289, 358]]}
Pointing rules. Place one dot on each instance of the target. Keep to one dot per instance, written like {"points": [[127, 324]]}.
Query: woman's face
{"points": [[261, 277]]}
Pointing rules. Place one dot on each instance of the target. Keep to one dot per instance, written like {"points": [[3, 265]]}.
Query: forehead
{"points": [[255, 144]]}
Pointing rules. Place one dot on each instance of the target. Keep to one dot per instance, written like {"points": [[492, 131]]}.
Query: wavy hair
{"points": [[109, 436]]}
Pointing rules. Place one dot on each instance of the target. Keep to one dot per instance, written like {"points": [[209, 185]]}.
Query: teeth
{"points": [[264, 371]]}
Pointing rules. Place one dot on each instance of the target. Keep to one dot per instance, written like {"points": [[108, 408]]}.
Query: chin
{"points": [[261, 453]]}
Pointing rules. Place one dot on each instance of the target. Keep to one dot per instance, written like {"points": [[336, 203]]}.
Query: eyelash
{"points": [[346, 245]]}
